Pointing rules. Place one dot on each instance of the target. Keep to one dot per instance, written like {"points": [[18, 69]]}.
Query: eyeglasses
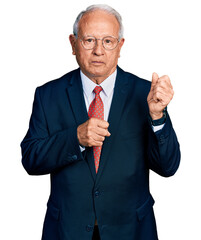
{"points": [[109, 42]]}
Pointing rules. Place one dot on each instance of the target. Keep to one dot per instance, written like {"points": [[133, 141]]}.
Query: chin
{"points": [[98, 72]]}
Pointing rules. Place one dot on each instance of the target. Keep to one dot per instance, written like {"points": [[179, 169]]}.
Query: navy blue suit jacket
{"points": [[118, 196]]}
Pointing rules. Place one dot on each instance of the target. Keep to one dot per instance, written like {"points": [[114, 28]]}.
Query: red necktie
{"points": [[96, 110]]}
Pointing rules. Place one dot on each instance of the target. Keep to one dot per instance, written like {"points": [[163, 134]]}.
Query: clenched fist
{"points": [[160, 95], [92, 133]]}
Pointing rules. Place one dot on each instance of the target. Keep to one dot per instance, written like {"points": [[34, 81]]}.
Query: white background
{"points": [[161, 36]]}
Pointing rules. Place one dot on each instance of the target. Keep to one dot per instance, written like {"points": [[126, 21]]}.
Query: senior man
{"points": [[98, 131]]}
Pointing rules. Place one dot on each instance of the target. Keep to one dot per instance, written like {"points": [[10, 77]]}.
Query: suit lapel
{"points": [[76, 98], [118, 102]]}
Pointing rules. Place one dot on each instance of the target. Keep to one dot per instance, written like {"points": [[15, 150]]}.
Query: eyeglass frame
{"points": [[81, 40]]}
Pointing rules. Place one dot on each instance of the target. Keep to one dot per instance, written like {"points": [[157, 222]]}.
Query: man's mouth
{"points": [[97, 62]]}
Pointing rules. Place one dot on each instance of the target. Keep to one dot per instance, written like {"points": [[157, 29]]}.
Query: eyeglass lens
{"points": [[108, 42]]}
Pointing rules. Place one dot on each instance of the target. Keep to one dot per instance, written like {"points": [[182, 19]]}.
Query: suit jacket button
{"points": [[97, 193], [89, 228], [74, 157]]}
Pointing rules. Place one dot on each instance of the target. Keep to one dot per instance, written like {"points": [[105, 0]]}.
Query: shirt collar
{"points": [[107, 84]]}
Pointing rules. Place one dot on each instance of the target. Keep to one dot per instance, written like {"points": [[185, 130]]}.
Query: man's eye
{"points": [[89, 40], [107, 41]]}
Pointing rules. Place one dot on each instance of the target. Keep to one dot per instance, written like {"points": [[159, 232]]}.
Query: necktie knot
{"points": [[97, 89]]}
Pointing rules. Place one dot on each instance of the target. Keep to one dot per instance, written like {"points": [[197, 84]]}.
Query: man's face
{"points": [[97, 63]]}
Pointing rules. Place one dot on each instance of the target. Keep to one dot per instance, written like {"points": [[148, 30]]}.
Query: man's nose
{"points": [[98, 49]]}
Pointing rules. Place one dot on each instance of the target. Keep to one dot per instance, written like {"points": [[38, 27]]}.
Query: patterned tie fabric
{"points": [[96, 110]]}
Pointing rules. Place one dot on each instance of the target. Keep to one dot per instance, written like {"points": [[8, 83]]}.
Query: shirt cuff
{"points": [[82, 148], [158, 128]]}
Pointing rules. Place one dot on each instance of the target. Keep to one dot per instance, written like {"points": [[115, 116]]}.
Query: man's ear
{"points": [[121, 43], [72, 40]]}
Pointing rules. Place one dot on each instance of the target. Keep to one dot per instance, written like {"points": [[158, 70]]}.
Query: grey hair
{"points": [[103, 7]]}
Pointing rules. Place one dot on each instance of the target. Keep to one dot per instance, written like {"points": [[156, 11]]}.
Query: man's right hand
{"points": [[92, 133]]}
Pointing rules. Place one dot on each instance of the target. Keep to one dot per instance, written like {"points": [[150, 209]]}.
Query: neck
{"points": [[98, 79]]}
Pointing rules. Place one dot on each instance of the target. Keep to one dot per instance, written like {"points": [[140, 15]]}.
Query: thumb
{"points": [[155, 78]]}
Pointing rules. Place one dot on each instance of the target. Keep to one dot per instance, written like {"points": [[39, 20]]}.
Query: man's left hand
{"points": [[160, 95]]}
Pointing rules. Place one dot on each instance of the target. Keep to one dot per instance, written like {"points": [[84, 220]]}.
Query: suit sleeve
{"points": [[163, 150], [43, 153]]}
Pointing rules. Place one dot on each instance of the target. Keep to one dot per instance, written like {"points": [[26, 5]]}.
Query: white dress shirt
{"points": [[106, 94]]}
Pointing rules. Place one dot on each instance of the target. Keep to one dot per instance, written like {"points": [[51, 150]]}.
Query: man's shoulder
{"points": [[132, 78], [61, 82]]}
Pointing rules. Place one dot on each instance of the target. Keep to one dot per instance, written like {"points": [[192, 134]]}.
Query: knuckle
{"points": [[102, 139], [95, 120], [157, 94], [88, 128], [97, 144], [88, 135], [166, 77], [172, 96], [92, 120], [163, 84], [154, 98], [107, 124], [90, 142], [156, 89]]}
